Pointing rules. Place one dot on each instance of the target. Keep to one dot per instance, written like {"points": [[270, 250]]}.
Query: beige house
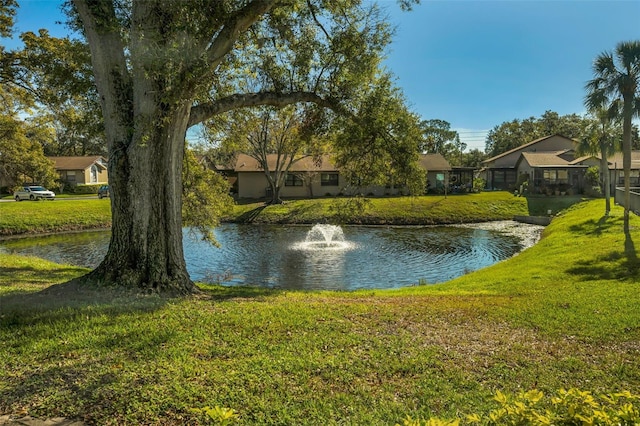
{"points": [[307, 178], [438, 171], [500, 172], [81, 170], [557, 172], [616, 171]]}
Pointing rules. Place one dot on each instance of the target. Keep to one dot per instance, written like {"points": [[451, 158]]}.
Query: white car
{"points": [[33, 193]]}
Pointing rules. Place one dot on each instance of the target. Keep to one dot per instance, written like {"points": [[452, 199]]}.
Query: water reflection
{"points": [[380, 257]]}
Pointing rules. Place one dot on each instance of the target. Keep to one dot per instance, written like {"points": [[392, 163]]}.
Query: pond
{"points": [[275, 256]]}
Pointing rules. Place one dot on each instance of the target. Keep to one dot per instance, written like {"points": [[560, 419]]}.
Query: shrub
{"points": [[479, 184], [86, 189], [569, 407]]}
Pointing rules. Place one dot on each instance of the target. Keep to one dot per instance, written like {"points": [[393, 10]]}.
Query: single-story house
{"points": [[310, 178], [81, 170], [500, 172], [554, 172], [306, 178], [551, 166], [616, 171], [438, 171]]}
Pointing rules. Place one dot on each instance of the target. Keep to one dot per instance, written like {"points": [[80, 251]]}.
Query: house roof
{"points": [[540, 159], [78, 163], [526, 145], [431, 162], [246, 163], [615, 161], [551, 160]]}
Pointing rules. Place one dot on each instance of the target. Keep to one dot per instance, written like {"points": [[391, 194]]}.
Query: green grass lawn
{"points": [[563, 314], [484, 206], [52, 216]]}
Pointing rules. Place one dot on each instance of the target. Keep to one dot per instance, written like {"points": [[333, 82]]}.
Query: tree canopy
{"points": [[512, 134]]}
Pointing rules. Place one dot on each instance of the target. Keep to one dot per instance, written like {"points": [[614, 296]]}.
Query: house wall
{"points": [[72, 176], [82, 177], [101, 176], [252, 185], [525, 168], [255, 184]]}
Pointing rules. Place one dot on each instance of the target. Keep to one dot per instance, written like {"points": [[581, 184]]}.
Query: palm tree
{"points": [[602, 136], [617, 78]]}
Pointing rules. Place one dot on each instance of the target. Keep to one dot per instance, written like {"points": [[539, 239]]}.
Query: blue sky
{"points": [[477, 64]]}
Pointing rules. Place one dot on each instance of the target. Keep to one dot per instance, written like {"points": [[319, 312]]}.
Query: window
{"points": [[552, 176], [94, 174], [634, 177], [292, 180], [328, 179]]}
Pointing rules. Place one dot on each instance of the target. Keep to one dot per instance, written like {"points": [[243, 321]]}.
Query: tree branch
{"points": [[202, 112], [237, 24]]}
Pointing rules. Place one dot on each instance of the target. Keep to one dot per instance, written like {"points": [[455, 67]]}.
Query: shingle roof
{"points": [[77, 163], [431, 162], [539, 159], [488, 160], [246, 163]]}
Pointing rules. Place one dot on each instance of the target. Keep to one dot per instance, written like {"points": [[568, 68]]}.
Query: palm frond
{"points": [[628, 54], [604, 65]]}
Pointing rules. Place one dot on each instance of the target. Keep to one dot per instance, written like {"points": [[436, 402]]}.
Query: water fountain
{"points": [[324, 237]]}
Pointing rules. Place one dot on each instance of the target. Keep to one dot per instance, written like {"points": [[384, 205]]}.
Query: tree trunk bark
{"points": [[626, 157], [606, 179], [146, 248]]}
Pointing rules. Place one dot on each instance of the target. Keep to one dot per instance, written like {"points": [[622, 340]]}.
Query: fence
{"points": [[634, 198]]}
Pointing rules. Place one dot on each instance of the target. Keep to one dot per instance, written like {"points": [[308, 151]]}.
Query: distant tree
{"points": [[602, 136], [280, 134], [57, 72], [473, 158], [21, 159], [437, 137], [616, 87], [512, 134]]}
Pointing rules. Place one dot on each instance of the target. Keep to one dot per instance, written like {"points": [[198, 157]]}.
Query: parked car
{"points": [[33, 193], [103, 191]]}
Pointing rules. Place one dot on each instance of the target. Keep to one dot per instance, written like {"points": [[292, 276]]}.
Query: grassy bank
{"points": [[480, 207], [29, 217], [562, 314], [70, 215]]}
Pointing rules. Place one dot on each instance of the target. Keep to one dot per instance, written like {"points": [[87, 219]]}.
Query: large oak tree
{"points": [[162, 66]]}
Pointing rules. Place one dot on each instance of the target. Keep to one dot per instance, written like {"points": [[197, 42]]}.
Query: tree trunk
{"points": [[606, 179], [626, 156], [146, 180], [275, 197]]}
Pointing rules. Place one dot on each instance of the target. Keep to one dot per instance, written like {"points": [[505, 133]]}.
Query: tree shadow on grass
{"points": [[615, 265], [218, 293], [70, 300], [596, 227], [251, 215], [632, 263]]}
